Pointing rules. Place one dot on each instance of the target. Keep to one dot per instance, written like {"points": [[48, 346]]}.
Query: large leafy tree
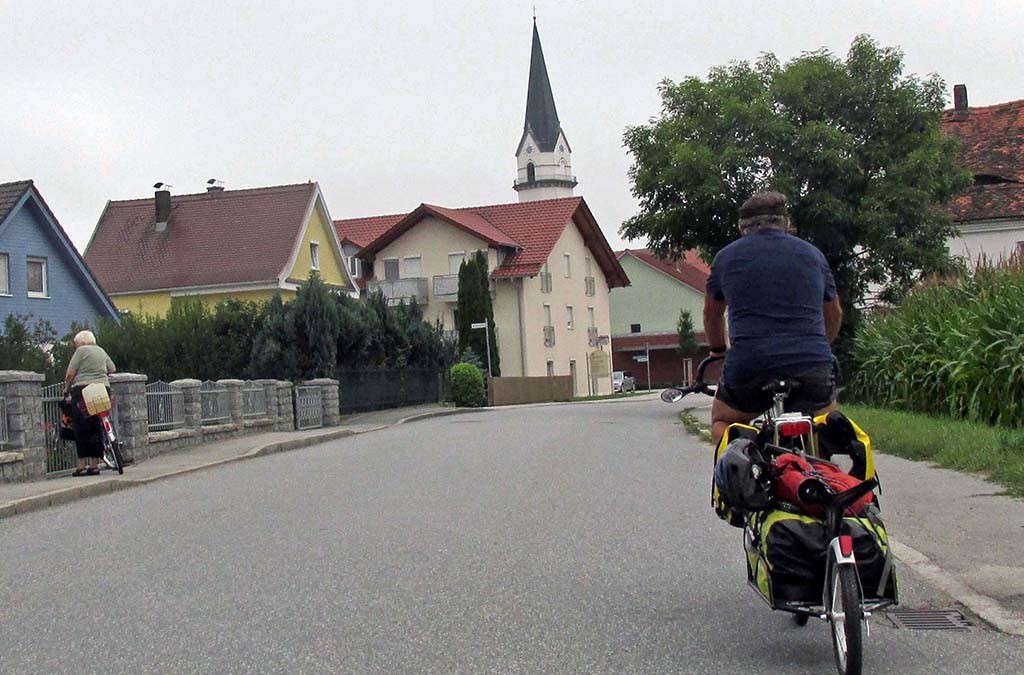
{"points": [[855, 144]]}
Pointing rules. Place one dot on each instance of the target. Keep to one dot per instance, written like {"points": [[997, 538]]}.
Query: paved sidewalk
{"points": [[16, 498], [956, 529]]}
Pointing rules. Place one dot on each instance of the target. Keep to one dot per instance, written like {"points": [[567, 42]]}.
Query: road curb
{"points": [[72, 494]]}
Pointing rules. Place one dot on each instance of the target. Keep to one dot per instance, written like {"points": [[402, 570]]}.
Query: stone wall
{"points": [[23, 454]]}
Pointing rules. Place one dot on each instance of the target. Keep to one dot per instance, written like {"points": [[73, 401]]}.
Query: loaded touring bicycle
{"points": [[813, 536]]}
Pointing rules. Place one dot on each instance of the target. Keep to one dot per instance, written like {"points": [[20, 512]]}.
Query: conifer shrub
{"points": [[467, 385]]}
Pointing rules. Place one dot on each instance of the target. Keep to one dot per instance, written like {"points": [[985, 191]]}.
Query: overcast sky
{"points": [[390, 104]]}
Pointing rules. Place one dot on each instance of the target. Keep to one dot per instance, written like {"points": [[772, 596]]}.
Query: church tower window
{"points": [[531, 173]]}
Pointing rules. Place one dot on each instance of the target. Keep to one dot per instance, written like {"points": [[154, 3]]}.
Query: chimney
{"points": [[163, 209], [960, 109]]}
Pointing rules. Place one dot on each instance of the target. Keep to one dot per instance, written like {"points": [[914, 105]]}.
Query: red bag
{"points": [[792, 471]]}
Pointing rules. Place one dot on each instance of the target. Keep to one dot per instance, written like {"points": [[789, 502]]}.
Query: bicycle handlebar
{"points": [[699, 386]]}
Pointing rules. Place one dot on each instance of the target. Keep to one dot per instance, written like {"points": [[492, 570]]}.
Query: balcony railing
{"points": [[592, 336], [397, 290], [545, 282], [549, 336], [446, 287], [591, 287]]}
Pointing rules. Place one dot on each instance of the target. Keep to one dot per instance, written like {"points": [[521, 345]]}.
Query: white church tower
{"points": [[544, 156]]}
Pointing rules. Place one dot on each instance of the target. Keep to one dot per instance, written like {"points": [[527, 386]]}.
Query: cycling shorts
{"points": [[817, 390]]}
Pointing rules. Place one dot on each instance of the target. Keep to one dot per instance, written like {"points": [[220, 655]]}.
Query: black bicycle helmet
{"points": [[740, 477]]}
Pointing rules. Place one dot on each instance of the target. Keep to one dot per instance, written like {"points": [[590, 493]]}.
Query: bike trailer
{"points": [[787, 554]]}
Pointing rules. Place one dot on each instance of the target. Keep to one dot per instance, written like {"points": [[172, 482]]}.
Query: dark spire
{"points": [[541, 116]]}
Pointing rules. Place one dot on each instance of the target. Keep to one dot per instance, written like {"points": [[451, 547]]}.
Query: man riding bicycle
{"points": [[783, 315]]}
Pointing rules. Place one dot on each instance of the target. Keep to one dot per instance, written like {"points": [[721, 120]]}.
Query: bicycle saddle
{"points": [[781, 386]]}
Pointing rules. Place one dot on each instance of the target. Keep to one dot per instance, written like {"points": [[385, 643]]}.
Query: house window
{"points": [[547, 315], [354, 267], [568, 317], [531, 173], [5, 274], [391, 269], [314, 254], [568, 265], [551, 368], [413, 268], [591, 317], [634, 328], [455, 261], [590, 272], [37, 287]]}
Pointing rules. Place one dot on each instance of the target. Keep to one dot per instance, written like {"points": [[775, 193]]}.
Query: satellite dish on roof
{"points": [[162, 186]]}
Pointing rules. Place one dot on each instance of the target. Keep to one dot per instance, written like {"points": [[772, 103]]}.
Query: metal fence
{"points": [[165, 406], [213, 399], [379, 388], [254, 400], [309, 407], [60, 455]]}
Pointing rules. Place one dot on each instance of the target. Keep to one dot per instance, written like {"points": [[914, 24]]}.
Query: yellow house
{"points": [[216, 245]]}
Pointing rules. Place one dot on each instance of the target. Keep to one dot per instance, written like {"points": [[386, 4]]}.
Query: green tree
{"points": [[316, 326], [273, 349], [684, 327], [22, 344], [855, 144], [475, 306]]}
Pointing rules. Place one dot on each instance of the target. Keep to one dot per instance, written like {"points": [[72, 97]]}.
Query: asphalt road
{"points": [[551, 539]]}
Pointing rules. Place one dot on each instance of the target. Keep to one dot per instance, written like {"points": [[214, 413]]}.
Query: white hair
{"points": [[84, 337]]}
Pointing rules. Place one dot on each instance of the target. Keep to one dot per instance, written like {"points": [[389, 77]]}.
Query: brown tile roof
{"points": [[530, 229], [10, 194], [992, 148], [689, 269], [361, 231], [212, 238]]}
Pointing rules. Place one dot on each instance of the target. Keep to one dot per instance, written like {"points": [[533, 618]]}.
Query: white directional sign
{"points": [[482, 324]]}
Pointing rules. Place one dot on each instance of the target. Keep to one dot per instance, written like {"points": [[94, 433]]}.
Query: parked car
{"points": [[623, 381]]}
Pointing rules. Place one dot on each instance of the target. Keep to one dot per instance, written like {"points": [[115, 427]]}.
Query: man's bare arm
{"points": [[833, 311], [714, 321]]}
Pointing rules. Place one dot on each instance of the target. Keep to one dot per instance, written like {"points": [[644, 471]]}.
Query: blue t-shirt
{"points": [[774, 285]]}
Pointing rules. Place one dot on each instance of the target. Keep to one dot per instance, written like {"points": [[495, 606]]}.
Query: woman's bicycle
{"points": [[112, 455], [843, 599]]}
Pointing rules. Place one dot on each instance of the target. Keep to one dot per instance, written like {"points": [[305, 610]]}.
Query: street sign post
{"points": [[487, 341]]}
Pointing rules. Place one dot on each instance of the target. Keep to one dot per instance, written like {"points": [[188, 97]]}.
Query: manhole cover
{"points": [[929, 619]]}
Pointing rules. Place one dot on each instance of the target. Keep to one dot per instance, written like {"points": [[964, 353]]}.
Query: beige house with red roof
{"points": [[644, 315], [551, 272], [220, 244], [990, 214]]}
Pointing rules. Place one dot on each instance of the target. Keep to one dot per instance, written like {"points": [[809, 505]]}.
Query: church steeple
{"points": [[543, 156]]}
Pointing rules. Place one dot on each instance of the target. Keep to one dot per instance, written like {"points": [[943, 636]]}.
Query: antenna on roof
{"points": [[162, 186], [214, 185]]}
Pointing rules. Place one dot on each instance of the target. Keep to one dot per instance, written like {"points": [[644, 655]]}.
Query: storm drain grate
{"points": [[929, 619]]}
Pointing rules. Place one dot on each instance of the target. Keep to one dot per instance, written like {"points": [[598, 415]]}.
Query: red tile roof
{"points": [[234, 236], [637, 342], [689, 269], [530, 229], [361, 231], [992, 148]]}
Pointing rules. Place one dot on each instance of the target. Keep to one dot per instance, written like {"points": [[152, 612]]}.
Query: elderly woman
{"points": [[89, 365]]}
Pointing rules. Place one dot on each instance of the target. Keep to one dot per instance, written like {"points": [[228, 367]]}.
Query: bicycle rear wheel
{"points": [[846, 617], [112, 456]]}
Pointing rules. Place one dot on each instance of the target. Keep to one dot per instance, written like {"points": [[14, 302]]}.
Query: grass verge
{"points": [[953, 444], [603, 397], [695, 426]]}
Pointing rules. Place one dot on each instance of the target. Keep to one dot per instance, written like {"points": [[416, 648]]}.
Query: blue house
{"points": [[41, 273]]}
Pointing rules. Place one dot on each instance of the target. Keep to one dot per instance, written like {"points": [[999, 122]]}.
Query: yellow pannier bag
{"points": [[96, 398]]}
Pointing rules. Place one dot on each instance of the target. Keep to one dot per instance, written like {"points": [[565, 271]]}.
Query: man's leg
{"points": [[722, 415]]}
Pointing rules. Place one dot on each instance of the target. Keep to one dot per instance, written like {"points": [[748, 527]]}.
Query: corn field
{"points": [[953, 347]]}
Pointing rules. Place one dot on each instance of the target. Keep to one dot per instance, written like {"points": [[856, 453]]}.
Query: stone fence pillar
{"points": [[286, 407], [193, 412], [234, 388], [22, 393], [270, 392], [132, 415], [329, 399]]}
